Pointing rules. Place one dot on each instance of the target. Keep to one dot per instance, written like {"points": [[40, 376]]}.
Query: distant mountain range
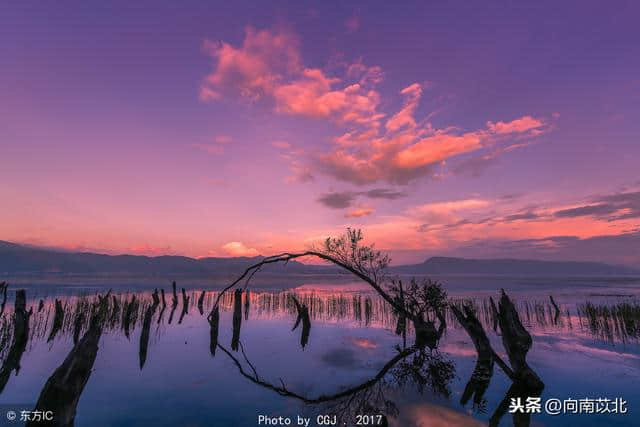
{"points": [[18, 259], [514, 267]]}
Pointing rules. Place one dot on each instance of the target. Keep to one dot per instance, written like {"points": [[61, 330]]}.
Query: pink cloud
{"points": [[523, 124], [300, 174], [405, 116], [442, 212], [312, 96], [365, 75], [268, 64], [253, 69]]}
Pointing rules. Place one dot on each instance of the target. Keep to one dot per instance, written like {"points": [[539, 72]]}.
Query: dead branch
{"points": [[286, 257], [303, 315]]}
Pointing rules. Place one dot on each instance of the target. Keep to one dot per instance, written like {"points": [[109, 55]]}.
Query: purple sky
{"points": [[499, 130]]}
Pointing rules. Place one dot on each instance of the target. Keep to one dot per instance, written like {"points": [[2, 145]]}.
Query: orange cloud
{"points": [[239, 249], [358, 212], [405, 116], [437, 148], [413, 150]]}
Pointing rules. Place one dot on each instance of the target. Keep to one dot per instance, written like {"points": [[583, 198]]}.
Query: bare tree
{"points": [[347, 251]]}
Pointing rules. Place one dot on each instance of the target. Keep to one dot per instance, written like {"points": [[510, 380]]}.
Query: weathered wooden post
{"points": [[58, 319], [20, 338], [237, 318], [303, 316]]}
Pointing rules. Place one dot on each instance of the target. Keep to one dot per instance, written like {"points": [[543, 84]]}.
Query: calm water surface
{"points": [[352, 338]]}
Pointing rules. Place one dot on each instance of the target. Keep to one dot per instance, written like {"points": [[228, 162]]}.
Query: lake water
{"points": [[176, 381]]}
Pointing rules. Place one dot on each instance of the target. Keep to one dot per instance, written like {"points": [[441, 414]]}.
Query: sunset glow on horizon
{"points": [[233, 131]]}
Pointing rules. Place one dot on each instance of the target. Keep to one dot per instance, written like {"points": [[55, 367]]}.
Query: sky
{"points": [[488, 130]]}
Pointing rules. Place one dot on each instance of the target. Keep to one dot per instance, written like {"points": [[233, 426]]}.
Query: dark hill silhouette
{"points": [[18, 259], [515, 267]]}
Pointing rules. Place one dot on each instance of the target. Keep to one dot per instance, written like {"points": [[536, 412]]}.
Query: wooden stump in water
{"points": [[201, 303], [557, 310], [146, 327], [58, 319], [115, 310], [62, 390], [78, 323], [303, 316], [20, 338], [483, 371], [237, 318], [214, 322], [130, 311], [173, 310], [185, 306], [175, 294], [247, 296], [517, 341], [494, 314]]}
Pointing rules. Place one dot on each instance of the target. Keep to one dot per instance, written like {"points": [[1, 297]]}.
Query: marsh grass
{"points": [[612, 323], [617, 322]]}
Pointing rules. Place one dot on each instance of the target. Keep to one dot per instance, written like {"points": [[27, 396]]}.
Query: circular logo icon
{"points": [[11, 415]]}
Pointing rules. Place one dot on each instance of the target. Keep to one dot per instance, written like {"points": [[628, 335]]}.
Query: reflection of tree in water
{"points": [[411, 367], [419, 303]]}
